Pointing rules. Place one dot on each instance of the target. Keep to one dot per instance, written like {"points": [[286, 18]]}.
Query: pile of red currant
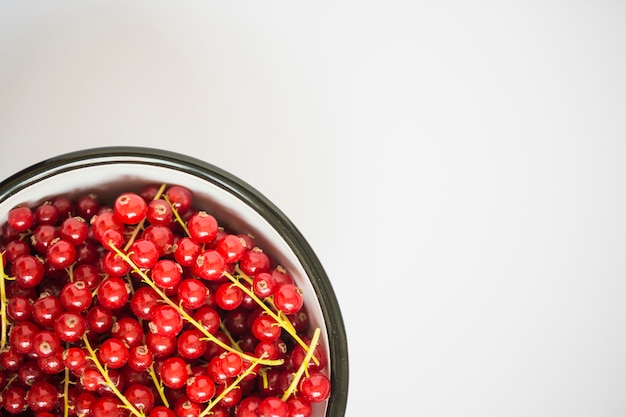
{"points": [[146, 306]]}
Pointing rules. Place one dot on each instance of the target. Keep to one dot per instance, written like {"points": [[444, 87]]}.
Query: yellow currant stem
{"points": [[158, 385], [108, 381], [232, 386], [285, 324], [268, 300], [145, 278], [3, 302], [66, 383], [179, 220], [139, 226], [303, 366], [233, 342]]}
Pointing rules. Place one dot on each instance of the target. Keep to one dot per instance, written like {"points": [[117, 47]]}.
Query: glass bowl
{"points": [[237, 206]]}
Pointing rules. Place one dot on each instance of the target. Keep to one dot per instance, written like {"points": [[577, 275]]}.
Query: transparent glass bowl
{"points": [[236, 205]]}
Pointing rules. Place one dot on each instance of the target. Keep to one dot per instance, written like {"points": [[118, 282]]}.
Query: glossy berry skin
{"points": [[113, 353], [166, 273], [180, 197], [46, 310], [159, 212], [265, 328], [161, 411], [192, 293], [273, 407], [21, 337], [228, 296], [19, 308], [143, 302], [190, 344], [46, 344], [288, 298], [200, 388], [21, 218], [42, 397], [315, 387], [248, 407], [112, 293], [143, 253], [231, 247], [107, 407], [99, 319], [140, 396], [202, 227], [130, 208], [128, 330], [61, 254], [174, 373], [74, 230], [166, 321], [209, 265], [254, 262], [140, 358], [14, 400], [28, 271], [299, 407], [186, 251], [76, 296]]}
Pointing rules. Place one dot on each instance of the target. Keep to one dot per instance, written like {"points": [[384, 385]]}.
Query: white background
{"points": [[459, 168]]}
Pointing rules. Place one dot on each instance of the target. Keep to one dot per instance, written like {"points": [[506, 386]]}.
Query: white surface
{"points": [[458, 167]]}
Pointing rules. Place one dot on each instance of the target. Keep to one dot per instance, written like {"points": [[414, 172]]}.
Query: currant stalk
{"points": [[179, 220], [3, 302], [285, 324], [139, 226], [145, 278], [233, 342], [232, 386], [303, 366], [66, 383], [108, 381], [159, 385]]}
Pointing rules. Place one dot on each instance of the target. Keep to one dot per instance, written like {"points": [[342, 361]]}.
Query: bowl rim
{"points": [[329, 305]]}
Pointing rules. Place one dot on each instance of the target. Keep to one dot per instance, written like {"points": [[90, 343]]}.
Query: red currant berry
{"points": [[87, 205], [61, 254], [130, 208], [141, 397], [140, 358], [143, 253], [21, 337], [143, 302], [52, 365], [42, 397], [160, 346], [46, 214], [99, 319], [265, 328], [166, 273], [159, 212], [128, 330], [113, 293], [46, 344], [191, 345], [46, 309], [75, 296], [21, 218], [11, 359], [209, 318], [70, 326], [263, 284], [299, 407], [74, 230], [231, 247], [202, 227], [209, 265], [180, 197], [248, 407], [161, 411], [28, 271], [114, 265], [74, 358], [166, 321], [14, 400], [105, 221], [83, 404], [174, 373], [200, 389], [113, 353], [88, 274], [228, 296], [108, 407], [288, 298], [14, 249], [273, 407], [315, 387], [254, 262], [192, 293], [19, 308], [186, 251]]}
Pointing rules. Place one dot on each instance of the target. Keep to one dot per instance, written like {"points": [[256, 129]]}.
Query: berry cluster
{"points": [[146, 306]]}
